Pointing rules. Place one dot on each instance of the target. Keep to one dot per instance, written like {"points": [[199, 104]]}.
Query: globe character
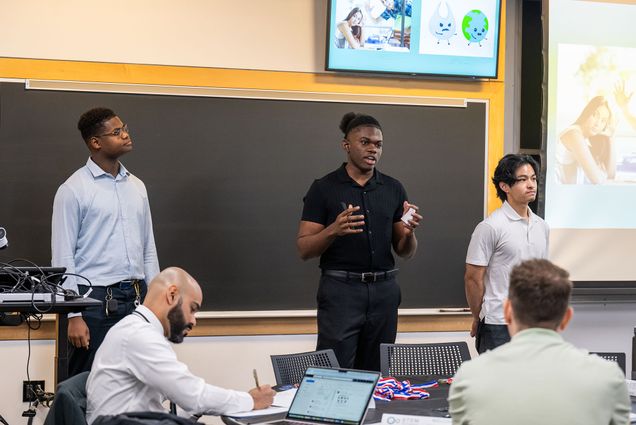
{"points": [[475, 26]]}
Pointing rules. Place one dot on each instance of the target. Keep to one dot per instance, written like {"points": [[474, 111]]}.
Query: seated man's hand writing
{"points": [[263, 396]]}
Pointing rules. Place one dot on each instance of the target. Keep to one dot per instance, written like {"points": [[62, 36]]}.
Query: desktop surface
{"points": [[75, 305], [435, 405]]}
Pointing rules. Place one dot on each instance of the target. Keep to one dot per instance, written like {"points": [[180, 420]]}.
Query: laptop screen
{"points": [[339, 396]]}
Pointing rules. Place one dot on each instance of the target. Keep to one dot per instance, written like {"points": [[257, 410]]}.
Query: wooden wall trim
{"points": [[266, 326]]}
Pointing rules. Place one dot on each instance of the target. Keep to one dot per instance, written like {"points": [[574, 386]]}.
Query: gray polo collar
{"points": [[512, 214]]}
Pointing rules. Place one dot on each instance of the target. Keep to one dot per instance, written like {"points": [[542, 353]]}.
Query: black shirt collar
{"points": [[344, 177]]}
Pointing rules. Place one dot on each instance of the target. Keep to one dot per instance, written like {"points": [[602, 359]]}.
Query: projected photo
{"points": [[373, 25], [595, 142], [458, 28], [590, 161]]}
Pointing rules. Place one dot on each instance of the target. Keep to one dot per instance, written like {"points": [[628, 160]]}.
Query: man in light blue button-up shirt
{"points": [[102, 230]]}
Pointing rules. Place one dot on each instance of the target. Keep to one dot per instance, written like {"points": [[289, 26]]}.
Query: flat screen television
{"points": [[455, 38]]}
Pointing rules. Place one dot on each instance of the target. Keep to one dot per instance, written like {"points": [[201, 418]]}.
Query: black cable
{"points": [[42, 284], [24, 260], [90, 285], [36, 285], [15, 273], [28, 318], [15, 260], [33, 316], [29, 360]]}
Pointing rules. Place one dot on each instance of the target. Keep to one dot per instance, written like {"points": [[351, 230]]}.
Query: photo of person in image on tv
{"points": [[349, 32], [395, 15]]}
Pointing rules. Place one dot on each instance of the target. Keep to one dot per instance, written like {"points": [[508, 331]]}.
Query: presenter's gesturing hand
{"points": [[78, 332], [314, 238], [346, 223], [414, 220], [404, 240]]}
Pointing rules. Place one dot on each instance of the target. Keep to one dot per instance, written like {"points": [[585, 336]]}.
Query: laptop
{"points": [[332, 396]]}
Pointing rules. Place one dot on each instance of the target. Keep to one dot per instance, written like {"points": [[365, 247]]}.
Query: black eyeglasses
{"points": [[116, 132]]}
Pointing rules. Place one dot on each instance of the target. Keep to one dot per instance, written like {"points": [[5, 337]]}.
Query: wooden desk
{"points": [[435, 405]]}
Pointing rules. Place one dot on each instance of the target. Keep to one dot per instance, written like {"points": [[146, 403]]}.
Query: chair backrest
{"points": [[290, 368], [442, 358], [69, 405], [614, 357]]}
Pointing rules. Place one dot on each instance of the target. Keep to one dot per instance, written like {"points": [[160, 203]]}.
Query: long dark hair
{"points": [[599, 143], [353, 12], [591, 107]]}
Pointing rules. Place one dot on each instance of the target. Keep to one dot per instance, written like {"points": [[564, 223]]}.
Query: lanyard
{"points": [[141, 315], [390, 388]]}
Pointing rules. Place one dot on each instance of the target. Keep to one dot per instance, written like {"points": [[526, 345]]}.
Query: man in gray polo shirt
{"points": [[510, 235]]}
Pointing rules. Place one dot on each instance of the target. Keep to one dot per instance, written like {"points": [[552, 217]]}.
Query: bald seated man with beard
{"points": [[136, 369]]}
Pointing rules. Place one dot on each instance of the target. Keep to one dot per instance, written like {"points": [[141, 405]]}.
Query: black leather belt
{"points": [[368, 277], [126, 284]]}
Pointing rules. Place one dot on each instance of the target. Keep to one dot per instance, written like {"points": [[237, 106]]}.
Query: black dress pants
{"points": [[81, 359], [490, 337], [354, 318]]}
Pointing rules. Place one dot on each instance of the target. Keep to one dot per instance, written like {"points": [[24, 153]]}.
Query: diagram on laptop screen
{"points": [[331, 399]]}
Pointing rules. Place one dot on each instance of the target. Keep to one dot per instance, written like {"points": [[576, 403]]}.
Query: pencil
{"points": [[256, 379]]}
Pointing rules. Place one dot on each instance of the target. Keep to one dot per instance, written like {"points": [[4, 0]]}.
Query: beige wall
{"points": [[251, 34]]}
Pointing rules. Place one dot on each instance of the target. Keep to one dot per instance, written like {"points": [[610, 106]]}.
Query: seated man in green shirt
{"points": [[538, 378]]}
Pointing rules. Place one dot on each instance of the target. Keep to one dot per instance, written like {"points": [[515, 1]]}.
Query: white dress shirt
{"points": [[136, 369], [102, 228]]}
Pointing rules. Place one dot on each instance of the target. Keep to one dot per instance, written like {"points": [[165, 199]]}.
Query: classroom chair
{"points": [[613, 357], [69, 405], [440, 359], [290, 368]]}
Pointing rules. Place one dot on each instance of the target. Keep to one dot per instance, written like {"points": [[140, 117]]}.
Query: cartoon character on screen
{"points": [[475, 26], [442, 23]]}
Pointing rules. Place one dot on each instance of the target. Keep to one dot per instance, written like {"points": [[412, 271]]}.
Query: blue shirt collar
{"points": [[97, 171]]}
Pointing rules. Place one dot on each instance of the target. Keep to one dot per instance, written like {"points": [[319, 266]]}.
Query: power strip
{"points": [[22, 297]]}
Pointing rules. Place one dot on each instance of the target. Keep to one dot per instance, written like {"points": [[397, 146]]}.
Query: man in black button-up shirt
{"points": [[352, 218]]}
